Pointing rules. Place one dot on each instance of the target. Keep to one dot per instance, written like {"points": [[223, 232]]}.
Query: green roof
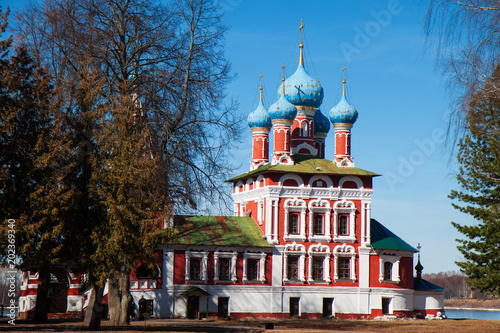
{"points": [[383, 238], [307, 164], [217, 231], [424, 285]]}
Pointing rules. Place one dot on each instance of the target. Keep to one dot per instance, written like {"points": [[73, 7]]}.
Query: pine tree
{"points": [[479, 178]]}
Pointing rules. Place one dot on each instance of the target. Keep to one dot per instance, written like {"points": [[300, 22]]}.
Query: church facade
{"points": [[301, 243]]}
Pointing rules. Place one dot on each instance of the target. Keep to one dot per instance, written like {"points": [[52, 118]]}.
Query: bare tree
{"points": [[466, 36], [152, 79]]}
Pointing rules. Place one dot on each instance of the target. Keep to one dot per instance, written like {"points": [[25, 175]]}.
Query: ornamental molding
{"points": [[324, 178], [304, 145], [292, 176], [357, 180]]}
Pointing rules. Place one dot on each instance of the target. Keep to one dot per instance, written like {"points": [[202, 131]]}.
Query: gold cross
{"points": [[300, 28], [283, 69]]}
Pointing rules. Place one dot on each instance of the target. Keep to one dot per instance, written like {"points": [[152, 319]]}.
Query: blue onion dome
{"points": [[302, 90], [321, 123], [282, 110], [343, 113], [259, 117]]}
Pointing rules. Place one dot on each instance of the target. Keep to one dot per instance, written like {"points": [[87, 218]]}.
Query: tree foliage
{"points": [[479, 178], [141, 89]]}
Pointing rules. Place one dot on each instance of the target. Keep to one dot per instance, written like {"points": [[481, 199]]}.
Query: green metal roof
{"points": [[383, 238], [424, 285], [307, 164], [217, 231]]}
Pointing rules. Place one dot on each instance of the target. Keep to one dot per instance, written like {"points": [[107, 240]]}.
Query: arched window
{"points": [[293, 227], [319, 224], [343, 225], [387, 270]]}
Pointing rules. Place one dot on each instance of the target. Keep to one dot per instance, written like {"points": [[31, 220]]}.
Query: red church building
{"points": [[302, 241]]}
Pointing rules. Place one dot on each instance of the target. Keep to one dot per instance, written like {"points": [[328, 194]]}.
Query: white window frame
{"points": [[261, 268], [199, 254], [394, 260], [320, 207], [344, 251], [297, 250], [319, 250], [295, 206], [226, 254], [344, 207]]}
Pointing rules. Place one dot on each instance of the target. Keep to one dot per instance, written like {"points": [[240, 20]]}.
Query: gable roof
{"points": [[217, 231], [309, 165], [424, 285], [383, 238]]}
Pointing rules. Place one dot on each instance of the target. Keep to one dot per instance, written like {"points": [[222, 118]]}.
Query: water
{"points": [[472, 314]]}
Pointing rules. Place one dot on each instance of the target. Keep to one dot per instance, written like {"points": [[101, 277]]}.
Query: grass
{"points": [[255, 325]]}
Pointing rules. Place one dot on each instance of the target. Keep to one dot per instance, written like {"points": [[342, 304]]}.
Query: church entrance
{"points": [[193, 307]]}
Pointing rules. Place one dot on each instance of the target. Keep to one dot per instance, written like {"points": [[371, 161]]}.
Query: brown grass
{"points": [[473, 303], [290, 325]]}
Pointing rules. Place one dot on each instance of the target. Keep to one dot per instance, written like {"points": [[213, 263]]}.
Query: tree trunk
{"points": [[93, 314], [42, 304], [114, 301], [125, 299]]}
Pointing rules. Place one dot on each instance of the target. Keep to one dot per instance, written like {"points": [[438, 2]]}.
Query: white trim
{"points": [[312, 150], [200, 254], [298, 206], [297, 178], [324, 178], [359, 182], [248, 183], [261, 273], [294, 249], [226, 253], [322, 207], [345, 251], [319, 250], [394, 260], [344, 207]]}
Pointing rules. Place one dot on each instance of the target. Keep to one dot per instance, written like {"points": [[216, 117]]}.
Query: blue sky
{"points": [[392, 82]]}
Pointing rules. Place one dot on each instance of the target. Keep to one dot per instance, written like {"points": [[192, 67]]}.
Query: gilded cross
{"points": [[300, 28]]}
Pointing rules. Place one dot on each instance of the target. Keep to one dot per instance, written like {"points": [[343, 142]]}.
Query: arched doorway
{"points": [[58, 292]]}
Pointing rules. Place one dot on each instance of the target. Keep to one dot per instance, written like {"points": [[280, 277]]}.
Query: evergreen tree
{"points": [[147, 81], [479, 178]]}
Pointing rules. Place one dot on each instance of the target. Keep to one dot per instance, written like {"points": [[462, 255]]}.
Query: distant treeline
{"points": [[456, 285]]}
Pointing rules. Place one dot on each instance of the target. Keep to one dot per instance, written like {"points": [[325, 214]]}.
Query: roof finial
{"points": [[343, 81], [261, 86], [283, 78], [301, 57]]}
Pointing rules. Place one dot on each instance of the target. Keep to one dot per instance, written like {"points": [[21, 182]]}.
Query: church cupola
{"points": [[306, 94], [321, 129], [282, 115], [259, 121], [343, 116]]}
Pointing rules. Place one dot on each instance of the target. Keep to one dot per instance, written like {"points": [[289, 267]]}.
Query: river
{"points": [[472, 314]]}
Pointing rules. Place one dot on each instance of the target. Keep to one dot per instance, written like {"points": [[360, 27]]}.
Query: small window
{"points": [[318, 225], [344, 269], [224, 269], [387, 270], [195, 269], [252, 269], [386, 305], [343, 225], [294, 306], [293, 268], [317, 267], [293, 227], [304, 130]]}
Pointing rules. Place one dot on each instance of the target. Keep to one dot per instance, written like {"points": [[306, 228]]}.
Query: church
{"points": [[302, 242]]}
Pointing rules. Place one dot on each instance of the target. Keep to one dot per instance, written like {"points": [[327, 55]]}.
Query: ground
{"points": [[292, 325]]}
